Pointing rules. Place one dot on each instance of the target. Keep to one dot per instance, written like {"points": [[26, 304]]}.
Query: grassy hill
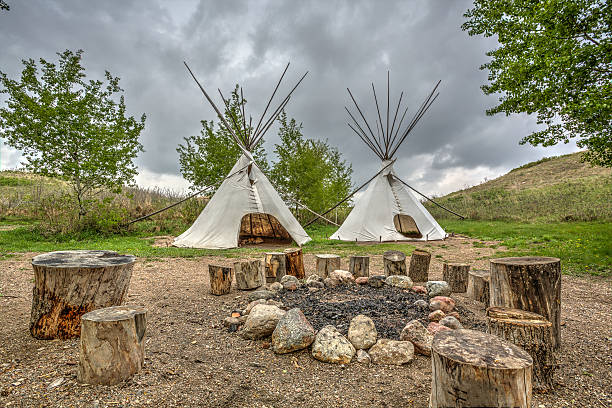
{"points": [[552, 189]]}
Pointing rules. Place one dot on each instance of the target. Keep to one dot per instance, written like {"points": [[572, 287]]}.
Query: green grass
{"points": [[583, 247]]}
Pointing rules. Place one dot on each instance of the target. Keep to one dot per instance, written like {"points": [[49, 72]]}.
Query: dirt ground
{"points": [[191, 360]]}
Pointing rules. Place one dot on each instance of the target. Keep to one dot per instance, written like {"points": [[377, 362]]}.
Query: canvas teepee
{"points": [[388, 210], [246, 208]]}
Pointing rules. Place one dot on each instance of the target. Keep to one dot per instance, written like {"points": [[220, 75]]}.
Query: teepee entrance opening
{"points": [[259, 228], [405, 225]]}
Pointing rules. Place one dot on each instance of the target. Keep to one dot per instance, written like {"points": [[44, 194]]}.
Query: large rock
{"points": [[313, 278], [399, 281], [419, 336], [451, 322], [261, 321], [435, 327], [293, 332], [438, 288], [254, 303], [260, 294], [362, 333], [362, 280], [419, 289], [443, 303], [330, 346], [393, 352], [289, 278], [275, 286], [376, 281], [342, 277], [436, 316]]}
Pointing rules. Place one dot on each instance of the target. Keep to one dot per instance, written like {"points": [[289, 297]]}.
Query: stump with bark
{"points": [[249, 274], [327, 263], [68, 284], [478, 286], [112, 344], [533, 333], [456, 274], [529, 283], [220, 279], [418, 270], [294, 262], [394, 263], [359, 266], [275, 269], [475, 369]]}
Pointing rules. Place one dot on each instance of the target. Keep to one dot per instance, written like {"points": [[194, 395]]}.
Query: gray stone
{"points": [[330, 346], [290, 285], [260, 294], [392, 352], [314, 278], [289, 278], [419, 336], [363, 357], [275, 286], [362, 333], [438, 288], [293, 332], [421, 304], [261, 321], [330, 283], [377, 281], [251, 305], [451, 322], [315, 284], [399, 281]]}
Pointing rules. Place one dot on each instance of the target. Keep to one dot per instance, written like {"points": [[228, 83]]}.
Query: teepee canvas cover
{"points": [[387, 210], [246, 205]]}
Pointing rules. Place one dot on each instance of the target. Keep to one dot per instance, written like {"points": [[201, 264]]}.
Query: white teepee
{"points": [[246, 203], [388, 210]]}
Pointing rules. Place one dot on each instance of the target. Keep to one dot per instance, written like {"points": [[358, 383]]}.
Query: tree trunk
{"points": [[478, 286], [112, 344], [475, 369], [327, 263], [359, 266], [395, 263], [533, 333], [456, 274], [419, 266], [274, 266], [68, 284], [249, 274], [220, 279], [529, 283], [294, 262]]}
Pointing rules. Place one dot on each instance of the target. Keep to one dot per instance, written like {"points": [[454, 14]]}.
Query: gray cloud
{"points": [[341, 43]]}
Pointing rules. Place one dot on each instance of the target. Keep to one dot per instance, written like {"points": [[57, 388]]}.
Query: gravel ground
{"points": [[191, 360]]}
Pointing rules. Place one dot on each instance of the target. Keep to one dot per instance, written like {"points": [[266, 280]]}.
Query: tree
{"points": [[208, 158], [308, 171], [553, 60], [71, 128]]}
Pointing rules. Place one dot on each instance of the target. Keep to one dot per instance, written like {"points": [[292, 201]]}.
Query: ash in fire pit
{"points": [[390, 308]]}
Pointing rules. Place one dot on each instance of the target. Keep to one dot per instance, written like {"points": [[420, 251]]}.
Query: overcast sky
{"points": [[341, 43]]}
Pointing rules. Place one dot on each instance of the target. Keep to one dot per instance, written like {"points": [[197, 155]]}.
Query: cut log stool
{"points": [[112, 344], [478, 286], [220, 279], [249, 274], [418, 270], [359, 266], [533, 333], [68, 284], [456, 274], [529, 283], [294, 262], [275, 268], [394, 263], [327, 263], [475, 369]]}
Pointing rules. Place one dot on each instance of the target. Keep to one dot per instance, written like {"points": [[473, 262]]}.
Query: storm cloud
{"points": [[341, 43]]}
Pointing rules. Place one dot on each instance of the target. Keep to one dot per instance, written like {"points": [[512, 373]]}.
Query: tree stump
{"points": [[475, 369], [220, 279], [68, 284], [478, 286], [294, 262], [249, 274], [327, 263], [112, 344], [359, 266], [529, 283], [533, 333], [395, 263], [418, 270], [275, 269], [456, 274]]}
